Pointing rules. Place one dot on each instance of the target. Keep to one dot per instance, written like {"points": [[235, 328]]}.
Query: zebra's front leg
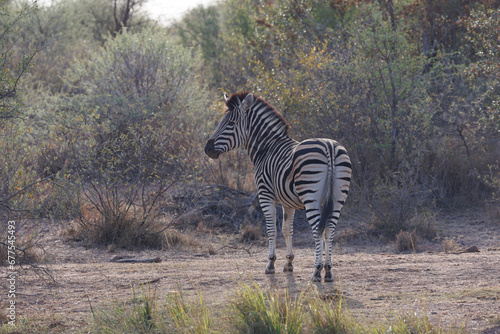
{"points": [[269, 210], [288, 214]]}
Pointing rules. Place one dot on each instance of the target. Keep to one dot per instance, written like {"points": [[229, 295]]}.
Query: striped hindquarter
{"points": [[313, 175]]}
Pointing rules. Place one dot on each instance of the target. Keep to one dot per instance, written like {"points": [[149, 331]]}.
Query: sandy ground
{"points": [[451, 287]]}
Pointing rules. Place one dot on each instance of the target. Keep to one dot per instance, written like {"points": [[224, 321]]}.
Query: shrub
{"points": [[402, 206], [140, 136], [122, 182], [367, 83], [13, 68], [137, 76]]}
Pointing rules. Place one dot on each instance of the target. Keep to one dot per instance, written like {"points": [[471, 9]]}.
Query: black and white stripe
{"points": [[313, 175]]}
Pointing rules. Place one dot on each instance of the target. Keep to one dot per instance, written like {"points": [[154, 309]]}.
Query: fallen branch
{"points": [[150, 282], [120, 259], [234, 247]]}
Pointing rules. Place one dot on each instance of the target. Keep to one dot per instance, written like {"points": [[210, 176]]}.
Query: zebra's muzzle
{"points": [[210, 150]]}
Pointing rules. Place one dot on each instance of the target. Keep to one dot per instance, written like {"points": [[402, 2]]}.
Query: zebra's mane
{"points": [[235, 100]]}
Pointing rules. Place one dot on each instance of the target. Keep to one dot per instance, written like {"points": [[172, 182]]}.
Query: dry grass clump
{"points": [[173, 239], [125, 229], [148, 314], [406, 241], [3, 314], [259, 311], [27, 251], [450, 245], [129, 234], [250, 233]]}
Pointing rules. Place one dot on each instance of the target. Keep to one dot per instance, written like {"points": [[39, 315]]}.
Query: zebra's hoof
{"points": [[270, 271], [328, 276], [288, 268], [270, 268], [316, 276]]}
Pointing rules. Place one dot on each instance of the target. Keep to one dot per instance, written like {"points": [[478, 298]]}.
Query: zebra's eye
{"points": [[230, 123]]}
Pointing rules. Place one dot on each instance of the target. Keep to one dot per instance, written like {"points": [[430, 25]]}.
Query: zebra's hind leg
{"points": [[269, 210], [318, 264], [288, 234], [329, 233], [313, 217]]}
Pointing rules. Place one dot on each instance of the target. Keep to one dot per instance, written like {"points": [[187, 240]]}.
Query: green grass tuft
{"points": [[257, 311], [253, 310]]}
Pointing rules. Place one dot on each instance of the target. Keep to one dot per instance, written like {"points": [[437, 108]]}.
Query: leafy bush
{"points": [[134, 77], [122, 181], [13, 66], [137, 99], [402, 206], [358, 72]]}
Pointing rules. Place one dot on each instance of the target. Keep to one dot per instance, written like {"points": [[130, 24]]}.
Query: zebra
{"points": [[313, 174]]}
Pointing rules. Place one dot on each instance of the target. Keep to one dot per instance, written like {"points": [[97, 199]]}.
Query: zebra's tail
{"points": [[337, 185], [327, 205]]}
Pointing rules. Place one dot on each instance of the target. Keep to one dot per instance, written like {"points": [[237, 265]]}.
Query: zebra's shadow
{"points": [[294, 288], [291, 285]]}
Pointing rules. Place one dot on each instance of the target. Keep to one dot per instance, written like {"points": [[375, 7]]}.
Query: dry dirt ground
{"points": [[377, 282]]}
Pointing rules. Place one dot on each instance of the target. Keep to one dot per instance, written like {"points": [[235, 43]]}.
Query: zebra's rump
{"points": [[304, 174]]}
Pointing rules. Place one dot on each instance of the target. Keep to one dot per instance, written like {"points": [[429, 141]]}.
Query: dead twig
{"points": [[120, 259], [150, 281], [234, 247]]}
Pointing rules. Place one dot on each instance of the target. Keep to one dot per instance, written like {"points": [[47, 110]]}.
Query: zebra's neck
{"points": [[267, 130]]}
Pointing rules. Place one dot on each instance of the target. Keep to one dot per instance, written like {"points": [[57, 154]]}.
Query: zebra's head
{"points": [[232, 130]]}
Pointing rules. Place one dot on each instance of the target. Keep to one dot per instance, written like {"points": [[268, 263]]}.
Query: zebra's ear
{"points": [[247, 102], [226, 97]]}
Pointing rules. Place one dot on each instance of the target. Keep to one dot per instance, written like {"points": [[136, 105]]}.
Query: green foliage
{"points": [[386, 78], [113, 104], [200, 29], [482, 32], [12, 68], [362, 85], [366, 83], [134, 77], [222, 35], [136, 99], [67, 30]]}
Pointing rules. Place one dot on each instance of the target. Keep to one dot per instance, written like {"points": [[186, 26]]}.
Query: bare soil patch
{"points": [[451, 287]]}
